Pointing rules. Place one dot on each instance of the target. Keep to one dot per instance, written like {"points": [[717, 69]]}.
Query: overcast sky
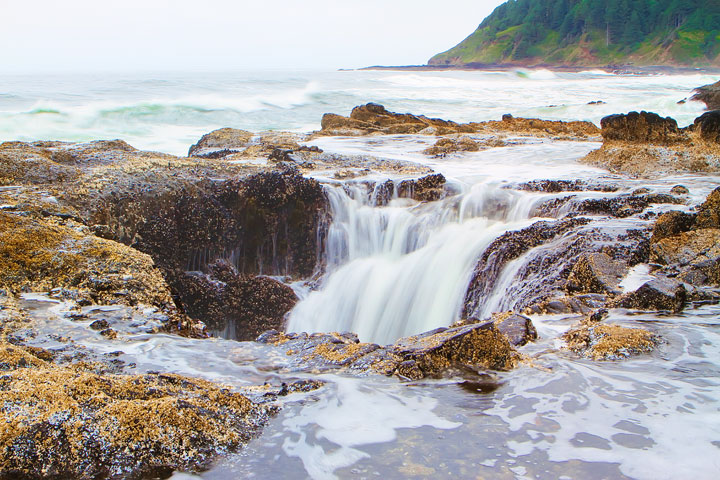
{"points": [[128, 35]]}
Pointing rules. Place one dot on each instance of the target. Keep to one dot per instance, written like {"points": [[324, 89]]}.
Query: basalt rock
{"points": [[447, 145], [69, 422], [518, 329], [709, 212], [234, 305], [221, 142], [608, 341], [374, 118], [473, 346], [672, 223], [694, 255], [645, 144], [709, 94], [660, 293], [708, 125], [643, 127], [596, 273]]}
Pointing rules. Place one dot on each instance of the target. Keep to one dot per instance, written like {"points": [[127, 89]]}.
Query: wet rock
{"points": [[555, 186], [694, 254], [708, 125], [424, 189], [709, 212], [22, 163], [672, 223], [448, 145], [660, 293], [609, 342], [519, 329], [621, 206], [709, 94], [221, 142], [67, 422], [234, 305], [596, 273], [644, 127], [679, 190], [479, 345], [583, 304], [506, 248], [101, 324], [576, 130], [42, 254], [374, 118]]}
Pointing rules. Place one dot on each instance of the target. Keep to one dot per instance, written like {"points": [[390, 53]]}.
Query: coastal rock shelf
{"points": [[385, 250]]}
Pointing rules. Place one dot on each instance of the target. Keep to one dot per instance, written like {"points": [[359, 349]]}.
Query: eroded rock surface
{"points": [[709, 94]]}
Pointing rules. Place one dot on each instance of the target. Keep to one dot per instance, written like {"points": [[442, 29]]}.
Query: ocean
{"points": [[168, 112], [403, 268]]}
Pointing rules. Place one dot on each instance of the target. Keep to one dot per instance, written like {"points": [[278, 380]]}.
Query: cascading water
{"points": [[403, 268]]}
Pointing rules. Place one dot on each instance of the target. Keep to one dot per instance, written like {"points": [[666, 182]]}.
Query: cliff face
{"points": [[593, 33]]}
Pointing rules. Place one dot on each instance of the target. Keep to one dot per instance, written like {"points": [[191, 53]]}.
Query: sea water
{"points": [[655, 416]]}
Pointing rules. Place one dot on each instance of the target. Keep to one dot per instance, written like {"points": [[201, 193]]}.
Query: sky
{"points": [[207, 35]]}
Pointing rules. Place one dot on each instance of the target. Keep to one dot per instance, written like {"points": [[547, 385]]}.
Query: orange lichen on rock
{"points": [[67, 422], [608, 341]]}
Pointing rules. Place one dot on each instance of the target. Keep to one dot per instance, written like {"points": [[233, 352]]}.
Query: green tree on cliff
{"points": [[594, 32]]}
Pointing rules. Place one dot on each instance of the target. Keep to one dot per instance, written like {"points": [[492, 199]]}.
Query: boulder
{"points": [[679, 190], [695, 254], [519, 329], [643, 127], [424, 189], [221, 142], [608, 342], [478, 345], [448, 145], [709, 212], [708, 125], [235, 306], [596, 273], [709, 94], [672, 223], [660, 293]]}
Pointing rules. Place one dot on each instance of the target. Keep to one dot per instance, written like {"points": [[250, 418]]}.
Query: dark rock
{"points": [[519, 329], [660, 293], [234, 305], [679, 190], [555, 186], [621, 206], [644, 127], [709, 94], [425, 189], [596, 273], [583, 304], [101, 324], [708, 124], [672, 223]]}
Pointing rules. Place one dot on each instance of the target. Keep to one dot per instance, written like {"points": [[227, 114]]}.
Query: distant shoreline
{"points": [[614, 69]]}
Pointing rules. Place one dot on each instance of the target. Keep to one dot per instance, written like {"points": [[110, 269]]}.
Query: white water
{"points": [[651, 417], [169, 112]]}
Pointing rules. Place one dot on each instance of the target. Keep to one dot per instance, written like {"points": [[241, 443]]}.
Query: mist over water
{"points": [[169, 112]]}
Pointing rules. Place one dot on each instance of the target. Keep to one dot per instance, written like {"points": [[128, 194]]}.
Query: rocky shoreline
{"points": [[211, 242]]}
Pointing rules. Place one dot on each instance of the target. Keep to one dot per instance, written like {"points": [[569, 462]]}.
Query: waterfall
{"points": [[403, 268]]}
